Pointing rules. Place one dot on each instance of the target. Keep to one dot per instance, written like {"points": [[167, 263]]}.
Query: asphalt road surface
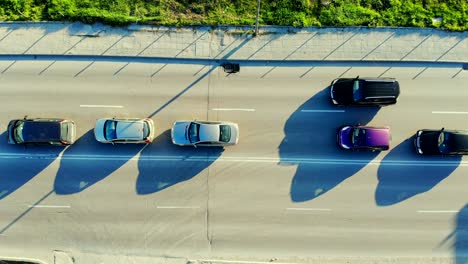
{"points": [[285, 191]]}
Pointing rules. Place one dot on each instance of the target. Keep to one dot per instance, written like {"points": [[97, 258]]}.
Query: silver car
{"points": [[205, 133], [124, 130]]}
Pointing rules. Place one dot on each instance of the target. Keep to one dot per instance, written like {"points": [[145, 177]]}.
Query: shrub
{"points": [[298, 13], [451, 19], [25, 10], [348, 14], [407, 14], [61, 10]]}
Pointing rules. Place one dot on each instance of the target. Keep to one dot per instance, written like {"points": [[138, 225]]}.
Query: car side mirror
{"points": [[25, 117], [194, 145], [442, 129]]}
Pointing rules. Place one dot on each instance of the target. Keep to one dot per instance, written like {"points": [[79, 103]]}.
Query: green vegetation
{"points": [[446, 14]]}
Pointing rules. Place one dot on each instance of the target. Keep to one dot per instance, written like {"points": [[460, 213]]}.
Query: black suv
{"points": [[364, 91], [441, 142], [46, 131]]}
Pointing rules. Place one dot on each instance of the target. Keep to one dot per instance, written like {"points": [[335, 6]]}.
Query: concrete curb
{"points": [[250, 63]]}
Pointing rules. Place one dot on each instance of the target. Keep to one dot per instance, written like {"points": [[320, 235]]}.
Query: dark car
{"points": [[441, 142], [363, 137], [47, 131], [364, 91]]}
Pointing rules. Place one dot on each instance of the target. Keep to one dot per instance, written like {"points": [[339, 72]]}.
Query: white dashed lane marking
{"points": [[308, 209], [234, 109], [438, 211], [321, 111], [49, 206], [450, 112], [178, 207], [102, 106]]}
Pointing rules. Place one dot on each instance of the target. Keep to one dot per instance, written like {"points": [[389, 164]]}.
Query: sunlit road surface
{"points": [[284, 192]]}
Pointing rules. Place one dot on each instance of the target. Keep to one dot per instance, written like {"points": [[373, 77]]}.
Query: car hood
{"points": [[342, 90], [344, 138], [428, 142], [179, 133], [99, 130]]}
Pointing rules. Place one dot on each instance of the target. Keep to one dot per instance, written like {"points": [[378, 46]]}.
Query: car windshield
{"points": [[443, 142], [357, 92], [193, 132], [224, 133], [358, 138], [18, 132], [64, 131], [109, 130], [146, 129]]}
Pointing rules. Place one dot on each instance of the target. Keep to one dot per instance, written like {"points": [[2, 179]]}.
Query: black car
{"points": [[47, 131], [364, 91], [441, 142]]}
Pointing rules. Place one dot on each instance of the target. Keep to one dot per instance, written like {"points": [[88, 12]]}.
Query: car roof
{"points": [[209, 132], [379, 89], [459, 140], [41, 130], [377, 136], [129, 129]]}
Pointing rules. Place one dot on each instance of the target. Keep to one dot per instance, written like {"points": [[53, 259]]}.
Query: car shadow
{"points": [[458, 239], [400, 180], [158, 171], [87, 161], [461, 236], [310, 143], [19, 163]]}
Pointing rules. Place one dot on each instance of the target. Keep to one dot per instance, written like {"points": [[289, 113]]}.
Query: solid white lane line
{"points": [[234, 109], [49, 206], [91, 156], [438, 211], [102, 106], [177, 207], [450, 112], [322, 111], [323, 161], [307, 209], [239, 261]]}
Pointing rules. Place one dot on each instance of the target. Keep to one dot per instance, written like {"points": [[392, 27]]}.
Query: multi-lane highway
{"points": [[285, 191]]}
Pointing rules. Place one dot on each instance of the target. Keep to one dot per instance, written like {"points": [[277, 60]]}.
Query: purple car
{"points": [[364, 137]]}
